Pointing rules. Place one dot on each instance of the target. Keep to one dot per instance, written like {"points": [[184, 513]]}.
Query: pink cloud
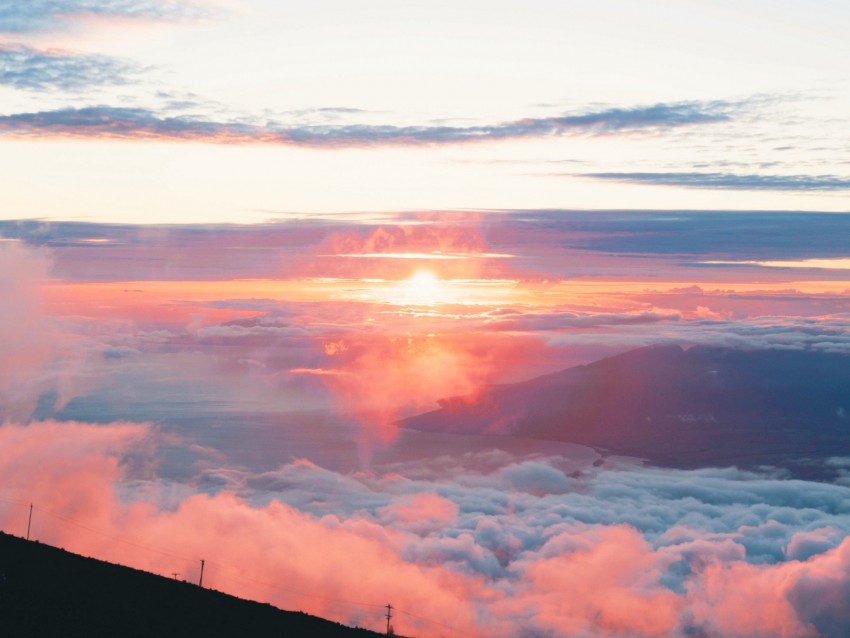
{"points": [[37, 354], [739, 599], [599, 581], [386, 377], [96, 493], [72, 472], [422, 508]]}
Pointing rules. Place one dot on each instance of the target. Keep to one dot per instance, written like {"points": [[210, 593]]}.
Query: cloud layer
{"points": [[230, 383], [730, 181], [143, 123], [487, 544]]}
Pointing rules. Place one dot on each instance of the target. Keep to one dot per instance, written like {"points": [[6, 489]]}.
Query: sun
{"points": [[423, 288]]}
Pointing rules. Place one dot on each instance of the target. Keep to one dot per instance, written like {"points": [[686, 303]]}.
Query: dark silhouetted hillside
{"points": [[680, 408], [47, 592]]}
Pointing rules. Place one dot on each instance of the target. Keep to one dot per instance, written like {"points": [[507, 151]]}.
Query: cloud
{"points": [[37, 356], [565, 320], [385, 378], [460, 544], [546, 245], [47, 15], [729, 181], [22, 67], [26, 338], [296, 560], [141, 123], [144, 253], [780, 234], [422, 509]]}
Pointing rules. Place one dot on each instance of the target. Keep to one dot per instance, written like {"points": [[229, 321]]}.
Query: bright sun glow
{"points": [[423, 288]]}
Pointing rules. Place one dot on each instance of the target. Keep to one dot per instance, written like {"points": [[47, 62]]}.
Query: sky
{"points": [[241, 240], [247, 110]]}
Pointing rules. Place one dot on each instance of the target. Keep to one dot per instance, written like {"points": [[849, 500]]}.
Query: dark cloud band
{"points": [[730, 181], [132, 123]]}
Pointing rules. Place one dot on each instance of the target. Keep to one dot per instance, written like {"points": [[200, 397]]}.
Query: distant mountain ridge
{"points": [[46, 592], [678, 407]]}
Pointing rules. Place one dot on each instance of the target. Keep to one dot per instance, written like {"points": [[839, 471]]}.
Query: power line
{"points": [[296, 590], [114, 537], [234, 575], [434, 622]]}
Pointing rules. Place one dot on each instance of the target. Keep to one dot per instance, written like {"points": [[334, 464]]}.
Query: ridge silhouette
{"points": [[47, 592], [683, 408]]}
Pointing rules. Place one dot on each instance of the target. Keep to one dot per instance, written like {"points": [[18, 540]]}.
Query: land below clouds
{"points": [[783, 411], [679, 408], [551, 529]]}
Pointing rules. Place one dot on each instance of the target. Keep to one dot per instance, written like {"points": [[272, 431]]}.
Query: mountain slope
{"points": [[680, 408], [47, 592]]}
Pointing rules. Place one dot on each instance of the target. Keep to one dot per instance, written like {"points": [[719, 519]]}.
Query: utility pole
{"points": [[201, 579], [29, 523], [389, 615], [175, 574]]}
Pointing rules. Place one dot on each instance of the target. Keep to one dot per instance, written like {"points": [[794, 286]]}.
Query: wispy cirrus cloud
{"points": [[17, 16], [139, 123], [23, 67], [729, 181]]}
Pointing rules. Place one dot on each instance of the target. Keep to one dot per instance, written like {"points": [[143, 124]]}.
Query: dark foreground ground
{"points": [[47, 592]]}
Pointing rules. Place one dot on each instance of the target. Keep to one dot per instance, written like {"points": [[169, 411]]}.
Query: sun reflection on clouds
{"points": [[436, 255], [424, 288]]}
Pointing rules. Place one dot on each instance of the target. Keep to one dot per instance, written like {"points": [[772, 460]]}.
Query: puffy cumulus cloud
{"points": [[820, 591], [604, 581], [460, 545], [806, 544], [74, 473], [44, 461], [421, 508], [536, 477], [743, 599], [611, 552]]}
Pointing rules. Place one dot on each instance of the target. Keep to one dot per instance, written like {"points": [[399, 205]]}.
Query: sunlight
{"points": [[423, 288]]}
